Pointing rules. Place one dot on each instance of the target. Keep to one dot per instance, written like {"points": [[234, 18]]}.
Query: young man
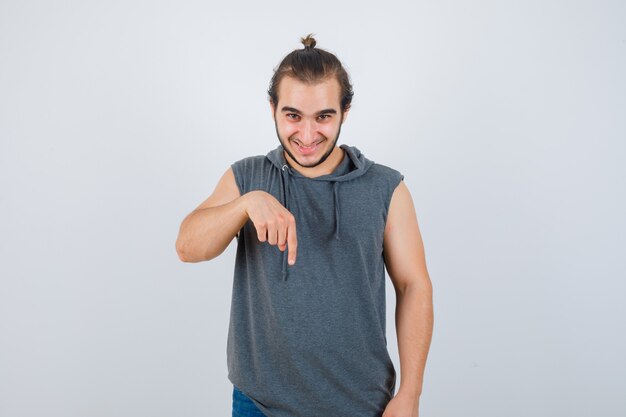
{"points": [[316, 226]]}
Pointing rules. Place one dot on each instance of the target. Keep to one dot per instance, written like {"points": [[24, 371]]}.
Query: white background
{"points": [[117, 118]]}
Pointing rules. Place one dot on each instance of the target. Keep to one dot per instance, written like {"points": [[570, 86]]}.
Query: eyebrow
{"points": [[294, 110]]}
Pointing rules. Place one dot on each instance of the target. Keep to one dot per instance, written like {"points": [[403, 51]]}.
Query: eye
{"points": [[324, 116], [295, 116]]}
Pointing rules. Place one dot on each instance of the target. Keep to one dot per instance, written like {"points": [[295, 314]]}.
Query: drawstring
{"points": [[335, 191], [285, 195], [285, 176]]}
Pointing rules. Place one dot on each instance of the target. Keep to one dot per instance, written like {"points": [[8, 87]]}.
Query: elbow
{"points": [[180, 251], [186, 255]]}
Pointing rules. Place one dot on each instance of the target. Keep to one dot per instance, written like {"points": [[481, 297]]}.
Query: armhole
{"points": [[238, 176], [394, 182], [240, 185]]}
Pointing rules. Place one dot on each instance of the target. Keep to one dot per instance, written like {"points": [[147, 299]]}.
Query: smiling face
{"points": [[308, 121]]}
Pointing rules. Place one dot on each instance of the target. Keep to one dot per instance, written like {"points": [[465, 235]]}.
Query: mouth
{"points": [[307, 150]]}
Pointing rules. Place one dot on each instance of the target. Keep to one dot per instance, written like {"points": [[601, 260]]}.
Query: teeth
{"points": [[307, 147]]}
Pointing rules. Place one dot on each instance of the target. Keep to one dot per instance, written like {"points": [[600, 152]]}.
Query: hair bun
{"points": [[308, 42]]}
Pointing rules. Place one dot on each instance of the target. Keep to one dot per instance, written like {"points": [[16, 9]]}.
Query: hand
{"points": [[273, 222], [402, 406]]}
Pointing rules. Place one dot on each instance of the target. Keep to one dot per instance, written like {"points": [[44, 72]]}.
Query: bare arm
{"points": [[208, 230], [406, 265]]}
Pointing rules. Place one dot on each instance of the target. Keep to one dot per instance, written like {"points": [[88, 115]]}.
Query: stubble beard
{"points": [[322, 159]]}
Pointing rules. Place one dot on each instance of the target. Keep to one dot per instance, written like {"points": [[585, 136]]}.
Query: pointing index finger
{"points": [[292, 242]]}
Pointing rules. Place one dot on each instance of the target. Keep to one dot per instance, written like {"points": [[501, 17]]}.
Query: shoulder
{"points": [[385, 171], [251, 171], [385, 175], [251, 164], [250, 160]]}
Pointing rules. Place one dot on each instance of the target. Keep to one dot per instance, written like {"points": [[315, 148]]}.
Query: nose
{"points": [[308, 132]]}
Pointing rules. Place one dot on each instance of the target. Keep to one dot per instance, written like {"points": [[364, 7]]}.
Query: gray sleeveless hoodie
{"points": [[309, 340]]}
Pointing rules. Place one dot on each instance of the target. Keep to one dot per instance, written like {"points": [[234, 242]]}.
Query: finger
{"points": [[272, 235], [261, 232], [282, 235], [292, 241]]}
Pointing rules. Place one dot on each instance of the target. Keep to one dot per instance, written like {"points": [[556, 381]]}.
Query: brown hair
{"points": [[312, 65]]}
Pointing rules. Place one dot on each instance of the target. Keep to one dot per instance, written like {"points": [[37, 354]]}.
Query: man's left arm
{"points": [[406, 265]]}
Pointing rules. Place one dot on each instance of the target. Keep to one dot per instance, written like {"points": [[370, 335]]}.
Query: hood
{"points": [[353, 165]]}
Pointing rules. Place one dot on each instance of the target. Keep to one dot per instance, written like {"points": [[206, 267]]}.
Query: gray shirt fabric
{"points": [[309, 340]]}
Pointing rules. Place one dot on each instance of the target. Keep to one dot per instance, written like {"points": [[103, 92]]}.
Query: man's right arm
{"points": [[208, 230]]}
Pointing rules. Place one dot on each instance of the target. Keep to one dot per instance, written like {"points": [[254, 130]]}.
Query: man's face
{"points": [[308, 119]]}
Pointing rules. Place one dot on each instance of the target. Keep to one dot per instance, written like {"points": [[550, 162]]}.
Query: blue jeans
{"points": [[243, 406]]}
